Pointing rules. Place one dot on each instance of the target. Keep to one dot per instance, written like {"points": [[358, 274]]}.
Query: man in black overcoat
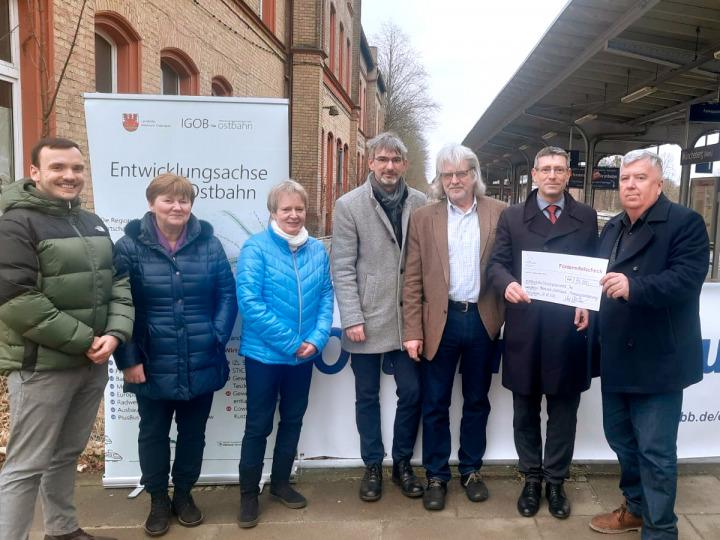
{"points": [[650, 342], [545, 343]]}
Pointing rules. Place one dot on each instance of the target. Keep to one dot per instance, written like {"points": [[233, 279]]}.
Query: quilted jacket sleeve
{"points": [[128, 353], [23, 307], [251, 274], [121, 312], [226, 307]]}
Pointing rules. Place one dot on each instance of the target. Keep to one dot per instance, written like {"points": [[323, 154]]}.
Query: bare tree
{"points": [[409, 109]]}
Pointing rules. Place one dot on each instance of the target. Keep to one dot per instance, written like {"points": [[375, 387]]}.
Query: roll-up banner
{"points": [[233, 150]]}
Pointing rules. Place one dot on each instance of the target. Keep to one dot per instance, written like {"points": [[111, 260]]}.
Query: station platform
{"points": [[335, 512]]}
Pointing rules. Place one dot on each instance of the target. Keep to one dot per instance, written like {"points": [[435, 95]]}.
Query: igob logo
{"points": [[131, 121]]}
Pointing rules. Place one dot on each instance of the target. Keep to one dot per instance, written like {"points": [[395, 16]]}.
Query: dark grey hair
{"points": [[386, 141], [286, 186], [637, 155], [551, 151], [455, 154]]}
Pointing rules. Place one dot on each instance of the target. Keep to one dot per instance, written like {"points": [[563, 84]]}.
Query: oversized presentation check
{"points": [[571, 280]]}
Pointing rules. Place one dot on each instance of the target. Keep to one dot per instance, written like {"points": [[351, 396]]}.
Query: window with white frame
{"points": [[170, 81], [10, 125], [105, 63]]}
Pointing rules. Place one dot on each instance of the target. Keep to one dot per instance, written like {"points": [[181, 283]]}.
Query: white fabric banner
{"points": [[233, 150], [329, 428]]}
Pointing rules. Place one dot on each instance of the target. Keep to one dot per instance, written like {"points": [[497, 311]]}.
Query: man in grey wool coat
{"points": [[368, 257]]}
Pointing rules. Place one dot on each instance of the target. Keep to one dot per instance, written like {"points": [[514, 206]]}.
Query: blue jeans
{"points": [[464, 336], [156, 416], [367, 370], [265, 384], [642, 430]]}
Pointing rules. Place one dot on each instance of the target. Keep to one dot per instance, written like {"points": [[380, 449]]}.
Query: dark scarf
{"points": [[391, 203]]}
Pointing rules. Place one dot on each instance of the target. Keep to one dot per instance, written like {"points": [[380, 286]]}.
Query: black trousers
{"points": [[554, 465], [367, 370], [266, 385], [156, 415]]}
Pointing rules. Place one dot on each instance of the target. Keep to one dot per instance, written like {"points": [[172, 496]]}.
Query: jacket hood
{"points": [[24, 194], [143, 229]]}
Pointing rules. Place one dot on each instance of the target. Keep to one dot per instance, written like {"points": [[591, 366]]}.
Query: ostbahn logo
{"points": [[130, 121]]}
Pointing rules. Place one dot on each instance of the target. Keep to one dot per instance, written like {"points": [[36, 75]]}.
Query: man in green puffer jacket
{"points": [[63, 311]]}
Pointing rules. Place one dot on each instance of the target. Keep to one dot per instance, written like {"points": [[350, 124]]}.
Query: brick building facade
{"points": [[312, 52]]}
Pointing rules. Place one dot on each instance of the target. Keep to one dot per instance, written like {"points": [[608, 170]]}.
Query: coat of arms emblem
{"points": [[130, 121]]}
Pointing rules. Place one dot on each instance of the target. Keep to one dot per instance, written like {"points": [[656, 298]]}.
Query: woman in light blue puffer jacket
{"points": [[285, 298]]}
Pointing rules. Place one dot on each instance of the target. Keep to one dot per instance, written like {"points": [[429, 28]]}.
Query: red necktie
{"points": [[551, 210]]}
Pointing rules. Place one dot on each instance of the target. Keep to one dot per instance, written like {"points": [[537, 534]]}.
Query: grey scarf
{"points": [[391, 203]]}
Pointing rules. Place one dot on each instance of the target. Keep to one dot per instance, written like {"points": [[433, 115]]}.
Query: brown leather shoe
{"points": [[618, 521]]}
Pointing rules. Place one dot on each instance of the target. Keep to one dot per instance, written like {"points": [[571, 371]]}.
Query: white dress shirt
{"points": [[464, 253]]}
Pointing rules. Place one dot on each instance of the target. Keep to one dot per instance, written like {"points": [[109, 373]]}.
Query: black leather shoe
{"points": [[288, 496], [558, 503], [183, 506], [158, 521], [434, 496], [371, 484], [529, 501], [475, 488], [404, 476], [249, 510]]}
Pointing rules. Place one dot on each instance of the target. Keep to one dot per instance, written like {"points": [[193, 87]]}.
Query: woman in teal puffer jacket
{"points": [[285, 298]]}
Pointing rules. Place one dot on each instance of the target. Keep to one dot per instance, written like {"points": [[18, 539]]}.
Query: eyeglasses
{"points": [[557, 170], [461, 175], [383, 160]]}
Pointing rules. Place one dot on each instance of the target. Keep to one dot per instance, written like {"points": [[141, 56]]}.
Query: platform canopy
{"points": [[608, 76]]}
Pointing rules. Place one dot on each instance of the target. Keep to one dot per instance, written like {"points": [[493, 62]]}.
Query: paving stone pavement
{"points": [[335, 512]]}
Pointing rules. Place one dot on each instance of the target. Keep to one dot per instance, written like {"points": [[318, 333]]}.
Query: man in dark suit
{"points": [[650, 342], [450, 313], [545, 343]]}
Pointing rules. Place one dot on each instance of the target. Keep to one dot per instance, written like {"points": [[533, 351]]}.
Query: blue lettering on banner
{"points": [[340, 363], [707, 368]]}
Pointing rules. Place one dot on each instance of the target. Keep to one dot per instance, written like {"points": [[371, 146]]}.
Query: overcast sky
{"points": [[470, 48]]}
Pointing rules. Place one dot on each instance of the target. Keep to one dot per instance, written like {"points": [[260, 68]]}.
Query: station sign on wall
{"points": [[705, 112]]}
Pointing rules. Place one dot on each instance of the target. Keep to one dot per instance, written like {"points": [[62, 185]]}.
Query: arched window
{"points": [[332, 38], [346, 161], [117, 54], [347, 64], [339, 176], [363, 112], [105, 63], [221, 87], [170, 81], [341, 46], [322, 158], [267, 13], [179, 74], [329, 162]]}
